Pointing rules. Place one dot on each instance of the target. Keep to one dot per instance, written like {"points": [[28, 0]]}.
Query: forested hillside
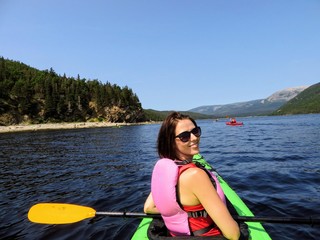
{"points": [[32, 96], [308, 101]]}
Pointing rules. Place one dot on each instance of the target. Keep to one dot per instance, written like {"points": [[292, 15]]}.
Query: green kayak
{"points": [[256, 230]]}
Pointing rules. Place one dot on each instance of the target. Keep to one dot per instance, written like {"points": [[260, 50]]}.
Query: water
{"points": [[272, 163]]}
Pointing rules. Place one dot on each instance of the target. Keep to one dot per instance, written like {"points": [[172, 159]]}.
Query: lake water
{"points": [[273, 163]]}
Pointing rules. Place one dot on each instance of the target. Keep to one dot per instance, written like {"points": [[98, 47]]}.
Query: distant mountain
{"points": [[286, 94], [308, 101], [251, 108]]}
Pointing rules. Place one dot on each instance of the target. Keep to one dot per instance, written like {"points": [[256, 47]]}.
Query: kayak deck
{"points": [[256, 230]]}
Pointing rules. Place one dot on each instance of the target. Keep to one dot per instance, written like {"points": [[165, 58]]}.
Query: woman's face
{"points": [[186, 150]]}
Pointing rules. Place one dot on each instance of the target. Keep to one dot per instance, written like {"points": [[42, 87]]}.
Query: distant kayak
{"points": [[234, 123]]}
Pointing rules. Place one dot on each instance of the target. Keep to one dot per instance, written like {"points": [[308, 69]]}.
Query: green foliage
{"points": [[308, 101], [28, 94]]}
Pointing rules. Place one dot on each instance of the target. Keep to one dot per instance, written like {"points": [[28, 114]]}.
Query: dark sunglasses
{"points": [[185, 136]]}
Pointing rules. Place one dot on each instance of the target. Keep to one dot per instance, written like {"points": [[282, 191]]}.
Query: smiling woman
{"points": [[197, 206]]}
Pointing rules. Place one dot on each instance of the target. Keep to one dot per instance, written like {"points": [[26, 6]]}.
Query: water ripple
{"points": [[272, 162]]}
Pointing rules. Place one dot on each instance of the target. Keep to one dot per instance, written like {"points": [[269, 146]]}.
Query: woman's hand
{"points": [[149, 206]]}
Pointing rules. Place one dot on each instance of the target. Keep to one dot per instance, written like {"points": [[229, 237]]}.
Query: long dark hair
{"points": [[166, 138]]}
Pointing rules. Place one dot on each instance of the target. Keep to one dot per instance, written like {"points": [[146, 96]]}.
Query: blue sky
{"points": [[175, 55]]}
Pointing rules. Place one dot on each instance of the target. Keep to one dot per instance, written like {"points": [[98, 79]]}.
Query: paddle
{"points": [[63, 213]]}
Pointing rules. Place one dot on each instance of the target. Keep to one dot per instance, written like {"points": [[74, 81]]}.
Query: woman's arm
{"points": [[200, 186], [149, 206]]}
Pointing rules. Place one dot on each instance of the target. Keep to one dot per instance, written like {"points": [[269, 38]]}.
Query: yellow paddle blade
{"points": [[59, 213]]}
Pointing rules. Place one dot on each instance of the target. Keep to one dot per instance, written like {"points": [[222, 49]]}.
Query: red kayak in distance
{"points": [[234, 123]]}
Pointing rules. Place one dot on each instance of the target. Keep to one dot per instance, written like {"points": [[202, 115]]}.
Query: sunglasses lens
{"points": [[196, 131], [185, 136]]}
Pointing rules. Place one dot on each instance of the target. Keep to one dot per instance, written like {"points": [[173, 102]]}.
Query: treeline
{"points": [[154, 115], [34, 96], [308, 101]]}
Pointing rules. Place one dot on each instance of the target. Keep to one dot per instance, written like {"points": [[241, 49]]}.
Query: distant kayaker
{"points": [[233, 120], [206, 212]]}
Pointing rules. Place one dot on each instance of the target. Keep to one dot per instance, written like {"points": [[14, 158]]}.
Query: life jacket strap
{"points": [[203, 230], [196, 214]]}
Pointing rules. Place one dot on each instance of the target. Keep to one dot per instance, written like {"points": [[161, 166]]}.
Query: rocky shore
{"points": [[52, 126]]}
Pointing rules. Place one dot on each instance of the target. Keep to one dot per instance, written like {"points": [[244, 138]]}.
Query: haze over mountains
{"points": [[254, 107]]}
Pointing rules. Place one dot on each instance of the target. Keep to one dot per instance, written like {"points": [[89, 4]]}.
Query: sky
{"points": [[174, 54]]}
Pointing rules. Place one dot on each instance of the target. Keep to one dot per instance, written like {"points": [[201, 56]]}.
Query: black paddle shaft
{"points": [[284, 220]]}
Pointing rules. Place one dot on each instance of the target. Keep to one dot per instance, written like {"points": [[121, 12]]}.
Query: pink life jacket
{"points": [[163, 187]]}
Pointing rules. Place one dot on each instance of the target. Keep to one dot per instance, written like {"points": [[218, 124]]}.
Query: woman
{"points": [[178, 140]]}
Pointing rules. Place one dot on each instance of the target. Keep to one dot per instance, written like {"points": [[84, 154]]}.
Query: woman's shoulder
{"points": [[193, 174]]}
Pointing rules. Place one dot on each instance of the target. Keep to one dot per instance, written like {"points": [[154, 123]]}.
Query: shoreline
{"points": [[59, 126]]}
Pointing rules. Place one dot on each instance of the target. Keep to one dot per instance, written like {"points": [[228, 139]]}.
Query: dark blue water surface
{"points": [[273, 163]]}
